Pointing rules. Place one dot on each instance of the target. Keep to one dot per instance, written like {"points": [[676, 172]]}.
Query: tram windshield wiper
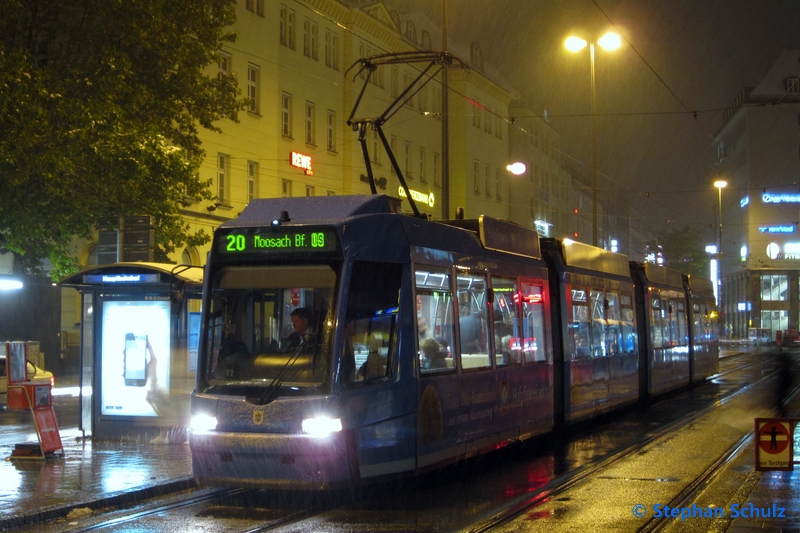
{"points": [[288, 371]]}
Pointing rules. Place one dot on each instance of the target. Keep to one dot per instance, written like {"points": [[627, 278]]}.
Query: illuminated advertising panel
{"points": [[135, 357], [301, 161], [425, 198], [784, 228], [276, 241], [780, 198]]}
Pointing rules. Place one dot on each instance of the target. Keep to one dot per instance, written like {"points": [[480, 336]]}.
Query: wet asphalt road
{"points": [[460, 497]]}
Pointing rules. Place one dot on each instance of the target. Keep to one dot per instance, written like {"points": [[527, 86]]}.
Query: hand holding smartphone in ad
{"points": [[135, 360]]}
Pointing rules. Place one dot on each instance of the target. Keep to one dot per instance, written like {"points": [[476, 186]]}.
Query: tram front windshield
{"points": [[269, 330]]}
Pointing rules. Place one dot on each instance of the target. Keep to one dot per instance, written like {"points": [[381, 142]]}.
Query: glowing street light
{"points": [[516, 168], [720, 184], [609, 41]]}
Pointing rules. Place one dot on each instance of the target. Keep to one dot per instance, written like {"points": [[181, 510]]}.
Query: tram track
{"points": [[226, 506], [567, 481], [299, 517], [692, 491]]}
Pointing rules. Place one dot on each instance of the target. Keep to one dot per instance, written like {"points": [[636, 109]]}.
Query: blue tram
{"points": [[343, 342]]}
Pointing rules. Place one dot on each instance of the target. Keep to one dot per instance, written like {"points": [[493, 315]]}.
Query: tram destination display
{"points": [[276, 241]]}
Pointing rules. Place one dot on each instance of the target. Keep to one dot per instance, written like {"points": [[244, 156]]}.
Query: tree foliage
{"points": [[101, 102], [683, 249]]}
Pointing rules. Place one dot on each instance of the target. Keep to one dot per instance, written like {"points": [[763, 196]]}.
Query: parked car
{"points": [[36, 376]]}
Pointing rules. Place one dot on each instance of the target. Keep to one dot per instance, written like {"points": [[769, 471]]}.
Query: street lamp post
{"points": [[719, 184], [609, 41]]}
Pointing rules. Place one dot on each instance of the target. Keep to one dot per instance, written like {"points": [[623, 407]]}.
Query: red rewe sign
{"points": [[301, 161]]}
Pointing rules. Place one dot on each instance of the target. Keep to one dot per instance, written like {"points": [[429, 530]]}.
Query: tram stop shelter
{"points": [[140, 327]]}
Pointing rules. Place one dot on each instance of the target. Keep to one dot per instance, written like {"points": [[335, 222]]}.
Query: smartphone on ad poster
{"points": [[135, 360]]}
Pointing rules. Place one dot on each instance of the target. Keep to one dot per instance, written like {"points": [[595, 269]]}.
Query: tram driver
{"points": [[302, 338]]}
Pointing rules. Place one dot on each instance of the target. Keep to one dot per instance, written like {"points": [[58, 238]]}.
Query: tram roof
{"points": [[700, 286], [580, 255], [661, 274], [314, 209]]}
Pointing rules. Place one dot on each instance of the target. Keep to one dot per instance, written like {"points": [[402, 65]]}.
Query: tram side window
{"points": [[682, 335], [508, 338], [627, 323], [435, 329], [580, 323], [533, 346], [472, 321], [657, 323], [371, 321], [614, 324], [598, 323], [670, 323]]}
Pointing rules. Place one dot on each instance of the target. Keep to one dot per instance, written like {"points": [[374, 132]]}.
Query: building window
{"points": [[376, 153], [290, 29], [436, 180], [486, 184], [314, 41], [282, 31], [260, 8], [286, 115], [407, 157], [394, 86], [393, 148], [437, 102], [422, 177], [331, 193], [497, 184], [426, 40], [310, 31], [331, 126], [792, 85], [331, 50], [286, 188], [411, 32], [222, 177], [423, 98], [252, 179], [475, 187], [252, 88], [309, 190], [306, 37], [310, 112], [224, 64], [335, 52], [774, 287], [249, 5], [476, 114], [407, 80]]}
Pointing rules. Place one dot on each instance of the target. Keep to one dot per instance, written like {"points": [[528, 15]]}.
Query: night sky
{"points": [[649, 145]]}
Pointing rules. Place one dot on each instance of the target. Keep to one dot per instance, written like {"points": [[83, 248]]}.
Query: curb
{"points": [[118, 500]]}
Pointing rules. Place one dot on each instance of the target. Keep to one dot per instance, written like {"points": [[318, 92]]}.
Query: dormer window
{"points": [[411, 32], [476, 56]]}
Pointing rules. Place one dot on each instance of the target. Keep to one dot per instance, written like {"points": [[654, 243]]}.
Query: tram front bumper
{"points": [[265, 460]]}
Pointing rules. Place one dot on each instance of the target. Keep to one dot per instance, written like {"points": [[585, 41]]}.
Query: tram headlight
{"points": [[321, 426], [203, 422]]}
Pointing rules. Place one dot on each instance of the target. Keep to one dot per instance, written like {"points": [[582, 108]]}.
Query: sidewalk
{"points": [[91, 474]]}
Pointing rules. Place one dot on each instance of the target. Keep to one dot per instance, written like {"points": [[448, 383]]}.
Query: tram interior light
{"points": [[321, 426], [203, 422]]}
